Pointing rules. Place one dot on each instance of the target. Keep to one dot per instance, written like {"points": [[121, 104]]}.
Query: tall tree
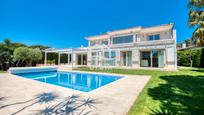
{"points": [[196, 20], [6, 58]]}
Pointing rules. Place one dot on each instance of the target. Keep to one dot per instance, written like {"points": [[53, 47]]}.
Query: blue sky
{"points": [[65, 23]]}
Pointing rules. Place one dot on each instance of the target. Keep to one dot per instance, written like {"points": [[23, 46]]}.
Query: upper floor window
{"points": [[154, 37], [105, 42], [98, 42], [123, 39], [93, 43]]}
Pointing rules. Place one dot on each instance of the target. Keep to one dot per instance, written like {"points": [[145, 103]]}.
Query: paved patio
{"points": [[25, 96]]}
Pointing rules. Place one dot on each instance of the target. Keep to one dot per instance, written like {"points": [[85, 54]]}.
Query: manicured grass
{"points": [[2, 71], [171, 93]]}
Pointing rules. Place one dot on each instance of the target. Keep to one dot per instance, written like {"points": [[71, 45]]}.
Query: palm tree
{"points": [[7, 45], [5, 54], [196, 20]]}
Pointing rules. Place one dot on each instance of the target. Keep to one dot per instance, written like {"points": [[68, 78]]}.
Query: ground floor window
{"points": [[95, 58], [82, 59], [152, 58], [109, 58], [126, 58], [145, 59]]}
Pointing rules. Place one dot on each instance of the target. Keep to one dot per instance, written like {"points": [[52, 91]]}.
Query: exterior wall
{"points": [[74, 59], [135, 58], [118, 63], [89, 58], [171, 57], [167, 43], [163, 35]]}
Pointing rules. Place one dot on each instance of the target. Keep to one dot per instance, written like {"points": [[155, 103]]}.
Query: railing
{"points": [[142, 43]]}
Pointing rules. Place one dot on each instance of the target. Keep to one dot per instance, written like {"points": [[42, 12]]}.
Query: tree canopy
{"points": [[25, 54], [196, 20]]}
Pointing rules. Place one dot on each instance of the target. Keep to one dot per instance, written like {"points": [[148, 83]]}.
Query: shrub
{"points": [[51, 62], [28, 55], [195, 55]]}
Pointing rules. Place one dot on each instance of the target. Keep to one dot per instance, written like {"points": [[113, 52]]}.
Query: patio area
{"points": [[19, 95]]}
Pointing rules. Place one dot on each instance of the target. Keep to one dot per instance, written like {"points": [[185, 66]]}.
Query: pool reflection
{"points": [[77, 81]]}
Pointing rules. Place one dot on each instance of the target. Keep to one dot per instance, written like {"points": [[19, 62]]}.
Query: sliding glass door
{"points": [[81, 59], [152, 58], [161, 59], [145, 59], [95, 58], [109, 58], [126, 58]]}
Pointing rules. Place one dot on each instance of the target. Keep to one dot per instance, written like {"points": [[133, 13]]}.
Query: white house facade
{"points": [[137, 47]]}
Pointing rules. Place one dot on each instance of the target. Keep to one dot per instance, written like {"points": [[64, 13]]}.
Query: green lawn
{"points": [[171, 93], [2, 71]]}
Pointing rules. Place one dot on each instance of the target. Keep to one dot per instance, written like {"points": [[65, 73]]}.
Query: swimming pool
{"points": [[78, 81]]}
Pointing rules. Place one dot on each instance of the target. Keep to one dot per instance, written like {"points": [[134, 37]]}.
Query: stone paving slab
{"points": [[20, 95]]}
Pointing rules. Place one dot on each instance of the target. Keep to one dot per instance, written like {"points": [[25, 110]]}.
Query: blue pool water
{"points": [[78, 81]]}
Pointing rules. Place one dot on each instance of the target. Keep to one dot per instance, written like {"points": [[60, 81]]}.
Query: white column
{"points": [[117, 58], [151, 60], [135, 58], [109, 41], [89, 58], [100, 58], [89, 43], [175, 51], [138, 37], [68, 58], [82, 59], [58, 58], [45, 62], [73, 58], [134, 38]]}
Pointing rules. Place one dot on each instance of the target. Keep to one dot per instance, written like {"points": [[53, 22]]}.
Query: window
{"points": [[123, 39], [154, 37], [104, 42], [126, 58], [109, 58], [95, 59], [145, 59], [93, 43], [152, 58]]}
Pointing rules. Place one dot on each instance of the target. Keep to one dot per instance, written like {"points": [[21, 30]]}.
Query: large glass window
{"points": [[104, 42], [95, 59], [93, 43], [153, 58], [81, 59], [126, 58], [145, 59], [109, 58], [123, 39], [99, 42], [154, 37]]}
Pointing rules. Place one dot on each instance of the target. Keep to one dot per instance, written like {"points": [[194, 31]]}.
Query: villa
{"points": [[137, 47], [52, 90]]}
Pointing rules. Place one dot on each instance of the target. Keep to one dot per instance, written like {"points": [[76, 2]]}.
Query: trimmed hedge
{"points": [[195, 54]]}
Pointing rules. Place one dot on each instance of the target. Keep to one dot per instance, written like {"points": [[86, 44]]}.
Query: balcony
{"points": [[155, 42]]}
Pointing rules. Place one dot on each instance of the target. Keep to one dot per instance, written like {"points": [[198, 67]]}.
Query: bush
{"points": [[28, 55], [50, 62], [195, 55]]}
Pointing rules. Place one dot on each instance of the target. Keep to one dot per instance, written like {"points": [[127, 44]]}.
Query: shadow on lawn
{"points": [[74, 104], [180, 95], [199, 70]]}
